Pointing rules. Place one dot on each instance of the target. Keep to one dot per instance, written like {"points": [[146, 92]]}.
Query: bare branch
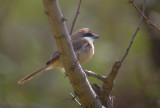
{"points": [[134, 35], [74, 98], [74, 20], [108, 84], [73, 69], [90, 73], [146, 19], [109, 81]]}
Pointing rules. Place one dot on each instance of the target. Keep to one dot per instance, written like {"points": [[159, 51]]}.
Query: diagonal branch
{"points": [[146, 19], [135, 33], [74, 20], [90, 73], [108, 83], [73, 69]]}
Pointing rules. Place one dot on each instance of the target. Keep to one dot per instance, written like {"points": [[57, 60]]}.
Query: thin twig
{"points": [[74, 20], [134, 35], [146, 19], [90, 73], [74, 98]]}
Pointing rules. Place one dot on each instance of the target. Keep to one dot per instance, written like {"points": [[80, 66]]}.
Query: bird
{"points": [[82, 42]]}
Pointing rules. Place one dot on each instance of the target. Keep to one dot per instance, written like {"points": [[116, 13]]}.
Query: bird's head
{"points": [[84, 33]]}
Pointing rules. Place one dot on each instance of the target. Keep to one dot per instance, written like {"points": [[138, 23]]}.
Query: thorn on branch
{"points": [[46, 12], [64, 19], [130, 1], [73, 99], [65, 75]]}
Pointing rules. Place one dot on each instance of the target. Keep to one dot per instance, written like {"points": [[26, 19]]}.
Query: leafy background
{"points": [[26, 43]]}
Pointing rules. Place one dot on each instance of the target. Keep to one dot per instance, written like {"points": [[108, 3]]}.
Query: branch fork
{"points": [[77, 77]]}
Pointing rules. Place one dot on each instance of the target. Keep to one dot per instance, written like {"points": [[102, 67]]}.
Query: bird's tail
{"points": [[25, 79]]}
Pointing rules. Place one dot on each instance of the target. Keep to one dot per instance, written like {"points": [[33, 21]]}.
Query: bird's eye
{"points": [[88, 35]]}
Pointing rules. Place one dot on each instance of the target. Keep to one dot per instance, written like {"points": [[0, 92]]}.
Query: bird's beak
{"points": [[95, 37]]}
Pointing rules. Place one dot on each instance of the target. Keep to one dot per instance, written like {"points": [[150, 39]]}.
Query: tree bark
{"points": [[71, 65]]}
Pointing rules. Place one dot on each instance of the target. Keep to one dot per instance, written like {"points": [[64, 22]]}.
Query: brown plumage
{"points": [[82, 42]]}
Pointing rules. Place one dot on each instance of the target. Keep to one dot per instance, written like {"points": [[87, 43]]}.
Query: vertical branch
{"points": [[76, 15]]}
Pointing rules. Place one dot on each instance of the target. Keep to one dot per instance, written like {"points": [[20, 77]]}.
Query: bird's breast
{"points": [[85, 53]]}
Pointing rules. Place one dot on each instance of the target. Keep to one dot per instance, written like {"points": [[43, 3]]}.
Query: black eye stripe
{"points": [[88, 35]]}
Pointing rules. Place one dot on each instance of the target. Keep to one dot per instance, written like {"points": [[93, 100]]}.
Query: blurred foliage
{"points": [[26, 43]]}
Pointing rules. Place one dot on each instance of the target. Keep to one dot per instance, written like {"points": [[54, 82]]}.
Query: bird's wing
{"points": [[76, 46], [79, 44]]}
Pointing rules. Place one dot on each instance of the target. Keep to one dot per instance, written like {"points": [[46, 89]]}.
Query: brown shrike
{"points": [[82, 42]]}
